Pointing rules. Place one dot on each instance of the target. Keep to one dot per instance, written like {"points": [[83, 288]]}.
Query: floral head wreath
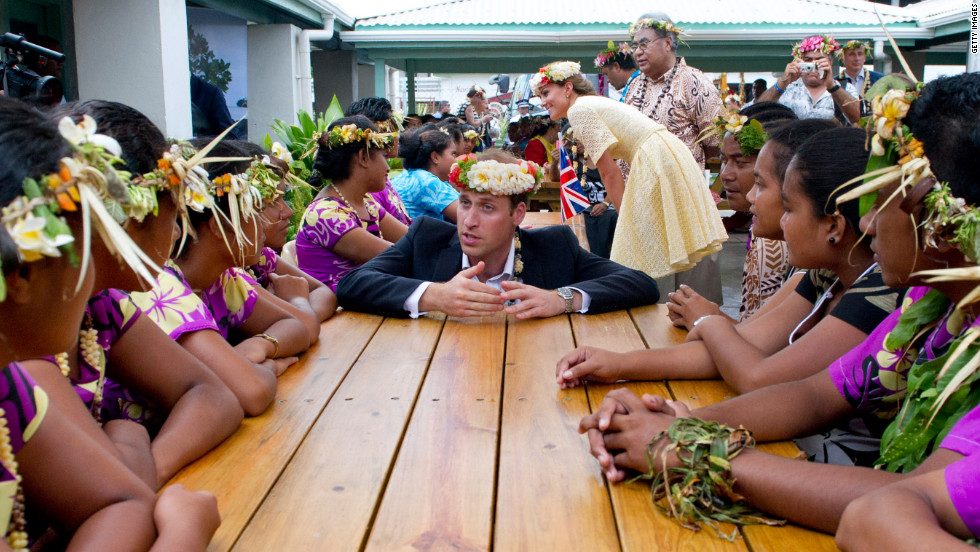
{"points": [[348, 134], [470, 134], [852, 44], [494, 177], [248, 193], [394, 124], [609, 54], [748, 134], [651, 23], [83, 183], [816, 43], [556, 72]]}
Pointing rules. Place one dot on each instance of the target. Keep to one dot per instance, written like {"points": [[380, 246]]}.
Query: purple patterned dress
{"points": [[268, 262], [24, 405], [326, 221], [231, 299], [391, 202]]}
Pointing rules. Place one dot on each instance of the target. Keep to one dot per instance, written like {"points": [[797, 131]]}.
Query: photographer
{"points": [[808, 86]]}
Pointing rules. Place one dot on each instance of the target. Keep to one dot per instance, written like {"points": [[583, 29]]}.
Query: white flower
{"points": [[33, 243], [877, 148], [84, 132], [281, 152], [563, 70]]}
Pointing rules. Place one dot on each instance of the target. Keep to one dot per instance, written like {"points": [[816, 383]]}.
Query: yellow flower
{"points": [[33, 243], [889, 112]]}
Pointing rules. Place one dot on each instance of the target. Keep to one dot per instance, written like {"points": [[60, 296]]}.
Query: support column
{"points": [[273, 77], [410, 85], [882, 61], [144, 67], [380, 78], [335, 73]]}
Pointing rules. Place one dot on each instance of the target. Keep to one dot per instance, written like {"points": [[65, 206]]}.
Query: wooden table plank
{"points": [[327, 495], [641, 526], [440, 493], [658, 332], [550, 494], [241, 470]]}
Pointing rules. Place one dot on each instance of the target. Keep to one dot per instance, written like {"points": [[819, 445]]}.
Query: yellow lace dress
{"points": [[668, 220]]}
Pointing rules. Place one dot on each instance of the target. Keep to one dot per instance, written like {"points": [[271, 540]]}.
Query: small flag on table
{"points": [[573, 200]]}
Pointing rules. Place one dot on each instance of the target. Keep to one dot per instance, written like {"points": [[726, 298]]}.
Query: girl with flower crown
{"points": [[122, 353], [668, 220], [344, 227], [427, 154], [43, 296]]}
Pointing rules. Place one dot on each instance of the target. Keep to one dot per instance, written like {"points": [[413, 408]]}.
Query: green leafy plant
{"points": [[204, 63], [300, 141]]}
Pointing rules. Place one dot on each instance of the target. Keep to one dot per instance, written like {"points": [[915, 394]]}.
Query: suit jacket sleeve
{"points": [[382, 284], [611, 285]]}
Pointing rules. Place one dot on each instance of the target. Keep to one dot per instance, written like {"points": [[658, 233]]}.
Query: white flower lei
{"points": [[502, 179], [556, 72]]}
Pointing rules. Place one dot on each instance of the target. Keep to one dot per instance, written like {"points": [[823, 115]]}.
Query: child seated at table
{"points": [[53, 474], [836, 304]]}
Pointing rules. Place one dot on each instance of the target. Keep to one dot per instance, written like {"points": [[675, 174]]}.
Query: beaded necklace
{"points": [[16, 536], [94, 355], [518, 263], [668, 84], [367, 206]]}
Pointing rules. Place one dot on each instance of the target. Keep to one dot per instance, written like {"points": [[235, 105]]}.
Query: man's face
{"points": [[737, 176], [486, 224], [652, 53], [813, 79], [854, 59], [523, 110], [615, 75]]}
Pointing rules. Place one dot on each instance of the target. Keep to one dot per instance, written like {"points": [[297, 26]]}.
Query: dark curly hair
{"points": [[376, 109], [789, 136], [417, 146], [946, 119], [334, 163], [141, 141]]}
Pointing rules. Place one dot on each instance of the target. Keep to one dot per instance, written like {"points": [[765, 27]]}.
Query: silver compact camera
{"points": [[809, 67]]}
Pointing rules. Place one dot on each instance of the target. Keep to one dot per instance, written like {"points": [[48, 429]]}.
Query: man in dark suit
{"points": [[853, 76], [478, 267]]}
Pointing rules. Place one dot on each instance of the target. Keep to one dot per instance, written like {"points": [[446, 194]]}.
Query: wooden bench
{"points": [[449, 434]]}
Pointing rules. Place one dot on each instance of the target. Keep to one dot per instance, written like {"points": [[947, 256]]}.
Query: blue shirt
{"points": [[423, 193], [622, 97]]}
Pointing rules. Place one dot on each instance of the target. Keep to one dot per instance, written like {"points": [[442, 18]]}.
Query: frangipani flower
{"points": [[281, 152], [735, 122], [84, 132], [32, 241], [889, 110]]}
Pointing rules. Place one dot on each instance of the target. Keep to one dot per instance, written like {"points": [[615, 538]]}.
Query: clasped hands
{"points": [[463, 296], [620, 431]]}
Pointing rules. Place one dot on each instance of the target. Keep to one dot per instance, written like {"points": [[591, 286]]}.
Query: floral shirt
{"points": [[326, 221], [423, 193], [797, 97], [24, 405], [685, 101], [172, 305], [268, 261], [231, 299], [391, 202]]}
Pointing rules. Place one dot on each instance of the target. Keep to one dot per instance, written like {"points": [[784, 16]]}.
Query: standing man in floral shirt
{"points": [[681, 98]]}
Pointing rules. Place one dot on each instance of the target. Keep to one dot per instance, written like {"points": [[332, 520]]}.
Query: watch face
{"points": [[564, 293]]}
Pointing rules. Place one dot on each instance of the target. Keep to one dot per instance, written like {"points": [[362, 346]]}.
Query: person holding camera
{"points": [[808, 86]]}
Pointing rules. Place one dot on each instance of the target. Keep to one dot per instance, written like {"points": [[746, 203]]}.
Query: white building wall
{"points": [[272, 88]]}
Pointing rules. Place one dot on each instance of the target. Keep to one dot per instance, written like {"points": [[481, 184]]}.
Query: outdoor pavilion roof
{"points": [[720, 35]]}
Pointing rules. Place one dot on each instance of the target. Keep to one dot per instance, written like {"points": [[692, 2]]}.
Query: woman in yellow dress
{"points": [[667, 218]]}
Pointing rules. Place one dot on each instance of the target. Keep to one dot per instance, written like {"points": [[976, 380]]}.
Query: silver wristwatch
{"points": [[566, 294]]}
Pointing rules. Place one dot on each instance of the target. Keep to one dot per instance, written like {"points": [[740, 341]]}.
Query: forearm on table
{"points": [[252, 384], [684, 361], [807, 493], [202, 418], [324, 303], [293, 337], [735, 359]]}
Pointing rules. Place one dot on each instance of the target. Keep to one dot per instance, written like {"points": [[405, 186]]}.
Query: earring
{"points": [[833, 240]]}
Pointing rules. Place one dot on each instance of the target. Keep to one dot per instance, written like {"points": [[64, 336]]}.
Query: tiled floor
{"points": [[732, 258]]}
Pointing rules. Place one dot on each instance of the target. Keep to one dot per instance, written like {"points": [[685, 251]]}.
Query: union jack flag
{"points": [[573, 200]]}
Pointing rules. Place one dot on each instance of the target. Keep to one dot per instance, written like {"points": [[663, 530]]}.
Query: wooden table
{"points": [[436, 434]]}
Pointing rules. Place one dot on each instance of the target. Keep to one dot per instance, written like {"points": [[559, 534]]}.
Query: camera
{"points": [[20, 81], [809, 67]]}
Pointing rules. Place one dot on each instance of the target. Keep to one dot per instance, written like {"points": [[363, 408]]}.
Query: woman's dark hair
{"points": [[827, 160], [416, 147], [334, 163], [454, 129], [789, 136], [946, 119], [376, 109], [30, 146], [542, 126], [766, 112], [141, 141]]}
